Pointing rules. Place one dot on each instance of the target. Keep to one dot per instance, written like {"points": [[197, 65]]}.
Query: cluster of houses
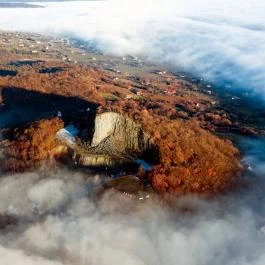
{"points": [[31, 43]]}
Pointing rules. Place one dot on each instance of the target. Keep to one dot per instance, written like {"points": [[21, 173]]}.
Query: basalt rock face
{"points": [[122, 132], [117, 139]]}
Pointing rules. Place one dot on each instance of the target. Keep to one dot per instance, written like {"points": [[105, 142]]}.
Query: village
{"points": [[133, 78]]}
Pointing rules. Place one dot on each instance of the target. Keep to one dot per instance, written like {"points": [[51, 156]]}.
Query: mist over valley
{"points": [[172, 90]]}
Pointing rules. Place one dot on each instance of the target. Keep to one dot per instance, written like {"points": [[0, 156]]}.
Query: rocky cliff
{"points": [[117, 139]]}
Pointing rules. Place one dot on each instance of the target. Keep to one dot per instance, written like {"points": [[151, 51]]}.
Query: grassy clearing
{"points": [[110, 96]]}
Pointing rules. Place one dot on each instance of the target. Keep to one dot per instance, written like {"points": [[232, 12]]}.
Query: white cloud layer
{"points": [[220, 40]]}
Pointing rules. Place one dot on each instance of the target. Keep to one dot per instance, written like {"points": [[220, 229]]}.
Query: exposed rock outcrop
{"points": [[117, 139], [124, 133], [85, 158]]}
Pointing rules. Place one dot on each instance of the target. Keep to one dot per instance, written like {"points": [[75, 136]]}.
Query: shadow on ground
{"points": [[19, 106], [4, 73]]}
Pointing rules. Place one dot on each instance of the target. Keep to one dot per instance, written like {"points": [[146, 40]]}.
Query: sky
{"points": [[60, 224]]}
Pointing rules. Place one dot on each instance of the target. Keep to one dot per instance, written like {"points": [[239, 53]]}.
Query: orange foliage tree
{"points": [[31, 144]]}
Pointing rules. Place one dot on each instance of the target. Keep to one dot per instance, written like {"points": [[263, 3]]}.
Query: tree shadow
{"points": [[25, 62], [51, 70], [4, 73], [20, 106]]}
